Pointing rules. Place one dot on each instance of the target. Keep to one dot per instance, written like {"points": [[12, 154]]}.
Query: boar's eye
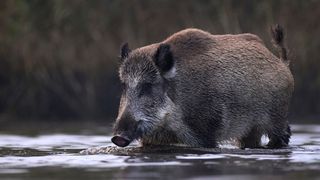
{"points": [[123, 86], [146, 89]]}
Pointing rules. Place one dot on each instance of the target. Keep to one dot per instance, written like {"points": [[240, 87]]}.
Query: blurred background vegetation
{"points": [[59, 59]]}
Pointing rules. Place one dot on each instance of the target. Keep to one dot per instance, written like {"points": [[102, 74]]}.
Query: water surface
{"points": [[55, 155]]}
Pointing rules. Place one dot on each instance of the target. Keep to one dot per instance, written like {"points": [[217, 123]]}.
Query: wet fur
{"points": [[224, 87]]}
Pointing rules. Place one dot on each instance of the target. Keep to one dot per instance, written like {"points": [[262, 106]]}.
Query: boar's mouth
{"points": [[121, 141], [123, 138]]}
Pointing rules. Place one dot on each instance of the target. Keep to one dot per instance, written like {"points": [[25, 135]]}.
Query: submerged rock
{"points": [[133, 150]]}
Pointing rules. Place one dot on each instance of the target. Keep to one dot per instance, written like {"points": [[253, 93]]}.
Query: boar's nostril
{"points": [[120, 141]]}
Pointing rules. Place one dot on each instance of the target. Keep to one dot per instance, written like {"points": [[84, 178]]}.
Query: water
{"points": [[40, 155]]}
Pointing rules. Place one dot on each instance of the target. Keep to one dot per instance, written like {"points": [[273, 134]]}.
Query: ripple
{"points": [[78, 161], [25, 154]]}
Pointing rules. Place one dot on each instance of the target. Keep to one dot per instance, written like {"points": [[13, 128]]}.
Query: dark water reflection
{"points": [[56, 156]]}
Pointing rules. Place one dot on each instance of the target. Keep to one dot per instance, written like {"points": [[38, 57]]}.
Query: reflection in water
{"points": [[30, 157]]}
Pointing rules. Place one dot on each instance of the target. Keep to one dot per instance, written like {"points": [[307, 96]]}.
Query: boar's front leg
{"points": [[252, 139]]}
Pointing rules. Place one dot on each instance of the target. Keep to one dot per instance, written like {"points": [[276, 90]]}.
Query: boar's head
{"points": [[145, 105]]}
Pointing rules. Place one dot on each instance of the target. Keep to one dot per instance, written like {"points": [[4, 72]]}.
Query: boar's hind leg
{"points": [[252, 139], [280, 136], [279, 131]]}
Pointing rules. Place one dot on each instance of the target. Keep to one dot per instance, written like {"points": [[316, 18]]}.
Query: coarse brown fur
{"points": [[219, 87]]}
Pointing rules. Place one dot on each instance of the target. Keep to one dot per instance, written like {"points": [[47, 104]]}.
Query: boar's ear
{"points": [[163, 58], [124, 52]]}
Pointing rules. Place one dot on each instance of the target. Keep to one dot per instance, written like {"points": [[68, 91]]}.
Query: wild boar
{"points": [[199, 89]]}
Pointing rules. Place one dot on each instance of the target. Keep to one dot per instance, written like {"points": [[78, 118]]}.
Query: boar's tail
{"points": [[278, 40]]}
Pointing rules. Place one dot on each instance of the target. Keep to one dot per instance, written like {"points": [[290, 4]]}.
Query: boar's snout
{"points": [[121, 141], [125, 131]]}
